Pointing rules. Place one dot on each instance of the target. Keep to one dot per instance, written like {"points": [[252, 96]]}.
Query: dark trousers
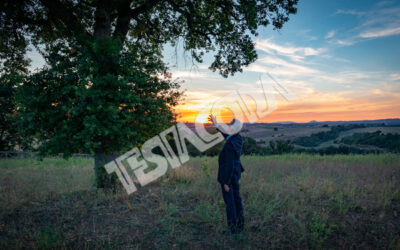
{"points": [[234, 207]]}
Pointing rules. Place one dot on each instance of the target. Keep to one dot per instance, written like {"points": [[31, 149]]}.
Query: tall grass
{"points": [[291, 201], [30, 179]]}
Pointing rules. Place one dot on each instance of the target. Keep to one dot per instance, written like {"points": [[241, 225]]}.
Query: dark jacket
{"points": [[230, 167]]}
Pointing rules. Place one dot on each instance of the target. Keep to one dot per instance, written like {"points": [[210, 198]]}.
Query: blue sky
{"points": [[339, 57]]}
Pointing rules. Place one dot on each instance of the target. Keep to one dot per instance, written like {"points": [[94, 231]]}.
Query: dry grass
{"points": [[291, 201]]}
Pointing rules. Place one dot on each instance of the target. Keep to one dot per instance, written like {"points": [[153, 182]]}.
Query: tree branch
{"points": [[124, 18], [102, 25], [152, 29], [58, 11], [145, 7], [125, 14], [189, 20]]}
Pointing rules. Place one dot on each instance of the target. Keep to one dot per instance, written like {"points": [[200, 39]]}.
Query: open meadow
{"points": [[291, 201]]}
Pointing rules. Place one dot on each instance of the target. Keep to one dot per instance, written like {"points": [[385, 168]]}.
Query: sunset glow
{"points": [[341, 61]]}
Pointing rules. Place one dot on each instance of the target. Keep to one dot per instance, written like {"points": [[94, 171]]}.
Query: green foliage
{"points": [[13, 68], [206, 168], [80, 103], [268, 208], [318, 138], [96, 99], [250, 147], [8, 133], [319, 231], [387, 141], [208, 212], [332, 150], [280, 147], [224, 27], [341, 204], [48, 238]]}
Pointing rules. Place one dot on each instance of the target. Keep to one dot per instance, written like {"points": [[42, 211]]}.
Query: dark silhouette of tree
{"points": [[105, 86]]}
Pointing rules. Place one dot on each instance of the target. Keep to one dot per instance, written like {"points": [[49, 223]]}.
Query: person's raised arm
{"points": [[212, 119], [219, 127]]}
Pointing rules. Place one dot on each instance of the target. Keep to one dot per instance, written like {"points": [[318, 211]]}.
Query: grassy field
{"points": [[291, 201]]}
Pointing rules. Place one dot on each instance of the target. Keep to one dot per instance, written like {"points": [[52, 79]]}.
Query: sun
{"points": [[201, 119]]}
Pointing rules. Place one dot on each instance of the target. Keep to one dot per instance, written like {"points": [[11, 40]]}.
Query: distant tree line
{"points": [[317, 138], [389, 141], [251, 147], [332, 150]]}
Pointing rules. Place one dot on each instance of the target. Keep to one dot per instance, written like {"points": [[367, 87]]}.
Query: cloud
{"points": [[384, 3], [343, 42], [394, 77], [315, 74], [279, 66], [330, 34], [388, 31], [294, 53], [326, 91], [306, 34], [342, 60], [375, 103], [320, 93], [189, 74], [382, 20], [350, 12]]}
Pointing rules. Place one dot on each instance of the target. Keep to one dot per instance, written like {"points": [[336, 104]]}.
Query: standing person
{"points": [[229, 172]]}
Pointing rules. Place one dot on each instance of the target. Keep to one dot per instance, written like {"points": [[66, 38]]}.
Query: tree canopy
{"points": [[105, 86], [223, 26]]}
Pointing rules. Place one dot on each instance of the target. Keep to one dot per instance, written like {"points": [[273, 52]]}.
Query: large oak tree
{"points": [[105, 86]]}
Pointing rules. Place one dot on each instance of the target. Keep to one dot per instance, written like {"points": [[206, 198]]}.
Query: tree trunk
{"points": [[102, 26], [103, 179], [102, 29]]}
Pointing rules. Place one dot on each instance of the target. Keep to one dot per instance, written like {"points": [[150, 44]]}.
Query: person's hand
{"points": [[212, 119], [226, 187]]}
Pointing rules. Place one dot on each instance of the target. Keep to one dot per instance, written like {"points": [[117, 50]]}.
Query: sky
{"points": [[340, 58]]}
